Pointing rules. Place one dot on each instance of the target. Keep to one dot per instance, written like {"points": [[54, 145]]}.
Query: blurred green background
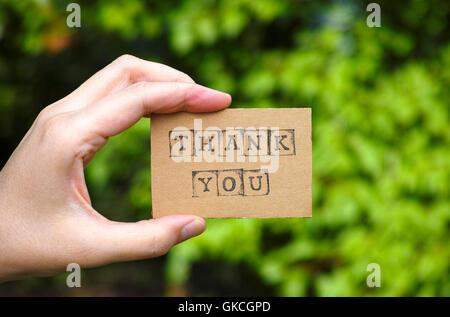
{"points": [[381, 132]]}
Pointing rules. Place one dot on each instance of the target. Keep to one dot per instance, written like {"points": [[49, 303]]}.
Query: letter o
{"points": [[233, 184]]}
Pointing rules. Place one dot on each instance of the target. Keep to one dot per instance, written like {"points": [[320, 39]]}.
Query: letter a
{"points": [[374, 278], [74, 18], [373, 19], [74, 278]]}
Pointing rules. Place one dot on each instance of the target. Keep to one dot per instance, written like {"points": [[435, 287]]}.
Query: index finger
{"points": [[121, 73], [117, 112]]}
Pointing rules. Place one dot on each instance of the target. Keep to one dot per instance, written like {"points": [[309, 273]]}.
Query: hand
{"points": [[47, 220]]}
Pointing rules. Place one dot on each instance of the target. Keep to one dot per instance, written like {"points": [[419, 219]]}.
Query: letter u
{"points": [[251, 182]]}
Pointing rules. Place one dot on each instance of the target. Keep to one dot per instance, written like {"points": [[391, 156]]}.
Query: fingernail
{"points": [[192, 229]]}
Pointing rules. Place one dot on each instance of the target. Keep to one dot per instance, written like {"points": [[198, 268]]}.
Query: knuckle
{"points": [[187, 91], [54, 127], [160, 243], [124, 62], [45, 114], [126, 58], [184, 78]]}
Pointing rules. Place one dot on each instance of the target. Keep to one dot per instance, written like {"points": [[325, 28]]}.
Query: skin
{"points": [[47, 220]]}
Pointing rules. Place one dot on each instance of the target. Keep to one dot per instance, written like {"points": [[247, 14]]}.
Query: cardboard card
{"points": [[235, 163]]}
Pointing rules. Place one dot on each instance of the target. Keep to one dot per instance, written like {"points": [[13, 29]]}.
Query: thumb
{"points": [[121, 241]]}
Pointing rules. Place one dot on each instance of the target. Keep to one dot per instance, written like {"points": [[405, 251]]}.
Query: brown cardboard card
{"points": [[235, 163]]}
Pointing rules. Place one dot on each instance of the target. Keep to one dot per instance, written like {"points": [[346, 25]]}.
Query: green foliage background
{"points": [[381, 152]]}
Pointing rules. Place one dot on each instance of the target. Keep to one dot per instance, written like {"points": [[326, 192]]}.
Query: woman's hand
{"points": [[47, 220]]}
